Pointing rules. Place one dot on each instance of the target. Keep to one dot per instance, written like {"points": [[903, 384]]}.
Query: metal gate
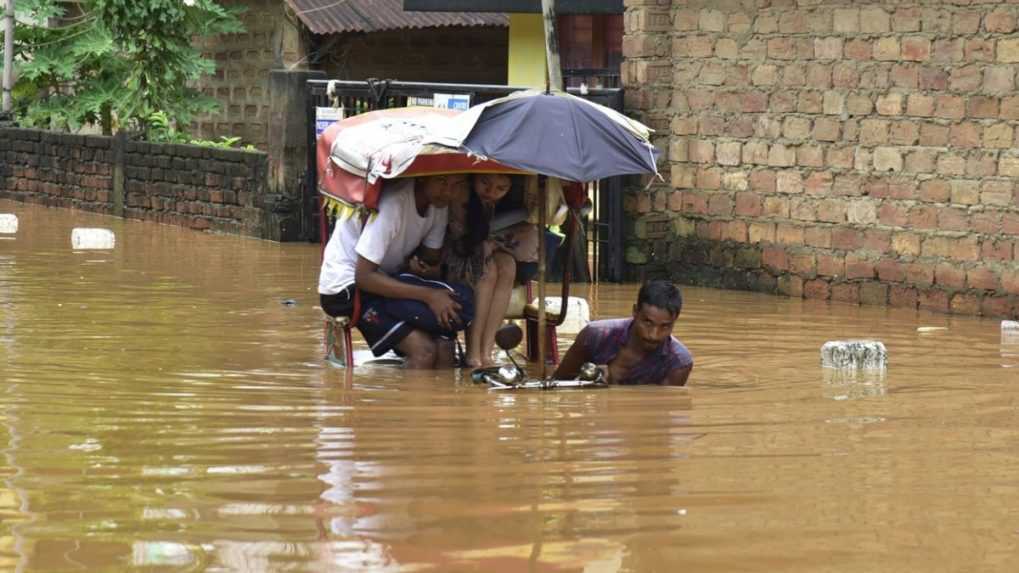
{"points": [[603, 227]]}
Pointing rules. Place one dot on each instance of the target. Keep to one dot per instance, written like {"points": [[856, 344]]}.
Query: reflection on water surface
{"points": [[162, 408]]}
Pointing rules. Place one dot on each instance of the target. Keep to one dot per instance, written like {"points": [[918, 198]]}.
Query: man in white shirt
{"points": [[411, 220]]}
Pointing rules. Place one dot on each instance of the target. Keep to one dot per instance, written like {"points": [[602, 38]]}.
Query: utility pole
{"points": [[554, 81], [8, 80], [555, 73]]}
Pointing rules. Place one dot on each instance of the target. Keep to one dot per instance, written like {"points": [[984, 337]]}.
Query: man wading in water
{"points": [[637, 350]]}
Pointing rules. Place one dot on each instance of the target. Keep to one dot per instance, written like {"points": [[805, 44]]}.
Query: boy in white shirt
{"points": [[411, 219]]}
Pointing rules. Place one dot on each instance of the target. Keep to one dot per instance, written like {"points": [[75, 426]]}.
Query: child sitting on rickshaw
{"points": [[486, 258]]}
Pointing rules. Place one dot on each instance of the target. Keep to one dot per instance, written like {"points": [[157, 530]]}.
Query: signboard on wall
{"points": [[459, 102], [326, 116]]}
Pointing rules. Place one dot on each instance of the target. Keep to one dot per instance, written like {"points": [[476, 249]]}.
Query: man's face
{"points": [[652, 325], [440, 189]]}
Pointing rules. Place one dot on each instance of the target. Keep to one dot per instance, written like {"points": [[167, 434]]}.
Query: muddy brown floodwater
{"points": [[160, 407]]}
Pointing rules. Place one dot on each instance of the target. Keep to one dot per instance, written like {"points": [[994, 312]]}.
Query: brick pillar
{"points": [[647, 80], [286, 212]]}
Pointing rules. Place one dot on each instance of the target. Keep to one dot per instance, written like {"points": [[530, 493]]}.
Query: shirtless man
{"points": [[637, 350]]}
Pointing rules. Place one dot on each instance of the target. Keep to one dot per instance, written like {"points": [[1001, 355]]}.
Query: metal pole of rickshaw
{"points": [[554, 82]]}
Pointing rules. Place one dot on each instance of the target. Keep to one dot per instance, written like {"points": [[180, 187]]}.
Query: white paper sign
{"points": [[326, 116], [458, 102]]}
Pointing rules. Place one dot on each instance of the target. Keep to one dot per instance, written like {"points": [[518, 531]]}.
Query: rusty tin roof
{"points": [[339, 16]]}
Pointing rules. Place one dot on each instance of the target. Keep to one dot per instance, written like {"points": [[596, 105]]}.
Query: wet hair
{"points": [[662, 294], [479, 218]]}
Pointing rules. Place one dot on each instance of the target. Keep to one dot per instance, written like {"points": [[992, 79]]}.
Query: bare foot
{"points": [[472, 363]]}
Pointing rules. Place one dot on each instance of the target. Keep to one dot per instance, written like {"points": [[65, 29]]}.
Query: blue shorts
{"points": [[385, 322]]}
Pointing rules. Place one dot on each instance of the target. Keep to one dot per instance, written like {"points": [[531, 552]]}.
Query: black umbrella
{"points": [[560, 135]]}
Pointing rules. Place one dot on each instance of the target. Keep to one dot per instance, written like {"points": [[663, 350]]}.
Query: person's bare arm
{"points": [[369, 278], [678, 376], [569, 366]]}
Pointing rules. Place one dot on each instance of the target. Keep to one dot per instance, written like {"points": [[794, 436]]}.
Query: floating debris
{"points": [[83, 238], [578, 313], [854, 354], [8, 223]]}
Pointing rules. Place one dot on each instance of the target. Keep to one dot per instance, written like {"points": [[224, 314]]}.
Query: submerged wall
{"points": [[852, 151], [196, 187]]}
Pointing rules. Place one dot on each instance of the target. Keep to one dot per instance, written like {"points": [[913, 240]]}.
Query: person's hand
{"points": [[421, 268], [445, 308]]}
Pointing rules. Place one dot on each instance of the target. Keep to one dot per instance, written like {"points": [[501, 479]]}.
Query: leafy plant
{"points": [[161, 128], [115, 63]]}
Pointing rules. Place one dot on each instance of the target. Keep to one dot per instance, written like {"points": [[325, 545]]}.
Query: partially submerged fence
{"points": [[603, 226]]}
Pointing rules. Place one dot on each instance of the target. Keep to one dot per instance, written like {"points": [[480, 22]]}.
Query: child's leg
{"points": [[482, 301], [505, 272]]}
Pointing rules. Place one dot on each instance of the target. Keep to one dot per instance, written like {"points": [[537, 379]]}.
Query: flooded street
{"points": [[165, 405]]}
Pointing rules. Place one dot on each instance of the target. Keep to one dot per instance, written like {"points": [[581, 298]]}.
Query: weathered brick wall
{"points": [[195, 187], [56, 169], [243, 62], [852, 151]]}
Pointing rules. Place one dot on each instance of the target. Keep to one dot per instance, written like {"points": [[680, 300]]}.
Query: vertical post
{"points": [[119, 155], [310, 191], [542, 320], [8, 79], [288, 214], [555, 82], [555, 74]]}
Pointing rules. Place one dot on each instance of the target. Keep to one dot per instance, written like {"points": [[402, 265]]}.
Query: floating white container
{"points": [[1010, 341], [8, 223], [854, 355], [578, 313], [1010, 332], [842, 384], [83, 238]]}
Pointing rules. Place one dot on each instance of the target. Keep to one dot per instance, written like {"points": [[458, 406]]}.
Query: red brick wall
{"points": [[221, 190], [852, 151]]}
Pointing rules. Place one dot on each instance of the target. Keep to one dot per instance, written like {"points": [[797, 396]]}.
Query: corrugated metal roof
{"points": [[337, 16]]}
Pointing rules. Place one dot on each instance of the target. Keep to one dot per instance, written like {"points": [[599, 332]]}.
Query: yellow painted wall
{"points": [[526, 50]]}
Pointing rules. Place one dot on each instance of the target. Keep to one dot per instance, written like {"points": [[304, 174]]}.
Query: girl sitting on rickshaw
{"points": [[485, 257]]}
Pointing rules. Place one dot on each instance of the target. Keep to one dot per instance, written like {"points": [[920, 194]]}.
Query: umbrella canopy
{"points": [[554, 134], [356, 153]]}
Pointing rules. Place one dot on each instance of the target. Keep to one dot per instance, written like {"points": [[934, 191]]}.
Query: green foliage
{"points": [[116, 63], [161, 129]]}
